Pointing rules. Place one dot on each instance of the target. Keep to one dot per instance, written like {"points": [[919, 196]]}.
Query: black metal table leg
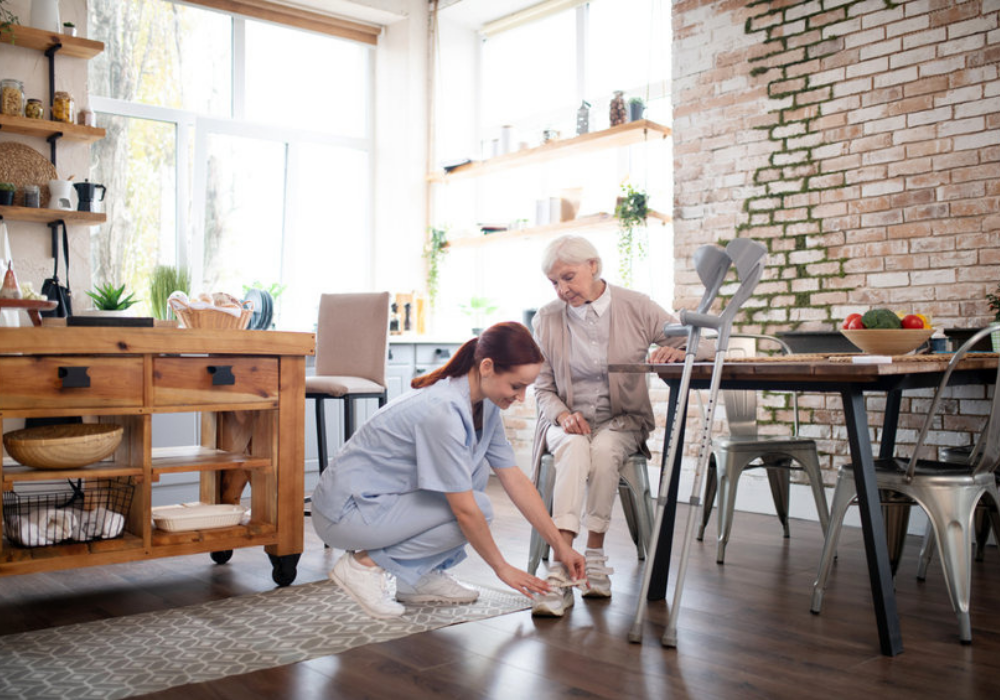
{"points": [[873, 527]]}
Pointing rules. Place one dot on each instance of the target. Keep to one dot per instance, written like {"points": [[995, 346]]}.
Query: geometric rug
{"points": [[137, 654]]}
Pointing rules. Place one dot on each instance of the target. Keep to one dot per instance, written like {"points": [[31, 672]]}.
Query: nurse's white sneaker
{"points": [[367, 586], [557, 601], [436, 587], [598, 575]]}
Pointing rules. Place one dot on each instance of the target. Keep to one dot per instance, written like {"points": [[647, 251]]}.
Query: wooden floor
{"points": [[745, 629]]}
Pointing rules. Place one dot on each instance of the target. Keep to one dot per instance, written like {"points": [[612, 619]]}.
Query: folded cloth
{"points": [[46, 526], [99, 523]]}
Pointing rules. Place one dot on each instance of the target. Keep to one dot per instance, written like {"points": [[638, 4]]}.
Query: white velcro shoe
{"points": [[436, 587], [367, 586], [598, 575], [557, 601]]}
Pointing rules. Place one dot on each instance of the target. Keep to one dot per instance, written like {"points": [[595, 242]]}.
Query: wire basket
{"points": [[192, 316], [81, 511]]}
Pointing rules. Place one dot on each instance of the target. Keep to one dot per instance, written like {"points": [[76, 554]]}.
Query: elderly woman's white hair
{"points": [[571, 250]]}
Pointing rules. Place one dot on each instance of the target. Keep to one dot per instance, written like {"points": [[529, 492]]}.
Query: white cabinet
{"points": [[412, 357]]}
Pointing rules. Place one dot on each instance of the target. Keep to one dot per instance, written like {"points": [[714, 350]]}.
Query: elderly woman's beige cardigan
{"points": [[636, 323]]}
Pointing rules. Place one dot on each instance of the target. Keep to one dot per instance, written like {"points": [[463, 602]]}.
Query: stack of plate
{"points": [[263, 309]]}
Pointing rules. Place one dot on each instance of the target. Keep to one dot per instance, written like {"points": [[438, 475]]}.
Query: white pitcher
{"points": [[62, 195], [45, 15]]}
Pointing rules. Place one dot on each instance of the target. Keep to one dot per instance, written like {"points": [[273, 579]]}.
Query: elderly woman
{"points": [[590, 420]]}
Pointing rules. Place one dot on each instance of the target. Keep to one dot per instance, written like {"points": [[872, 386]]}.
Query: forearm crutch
{"points": [[712, 264]]}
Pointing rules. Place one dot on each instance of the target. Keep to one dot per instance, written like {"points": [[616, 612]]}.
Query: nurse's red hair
{"points": [[508, 344]]}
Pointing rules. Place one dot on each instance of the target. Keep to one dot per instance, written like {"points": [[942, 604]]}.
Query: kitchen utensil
{"points": [[86, 192], [62, 195]]}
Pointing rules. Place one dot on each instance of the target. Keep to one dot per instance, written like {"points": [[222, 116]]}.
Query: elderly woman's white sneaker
{"points": [[436, 587], [367, 586], [559, 599]]}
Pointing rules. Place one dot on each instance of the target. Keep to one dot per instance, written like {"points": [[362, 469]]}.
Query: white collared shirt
{"points": [[589, 337]]}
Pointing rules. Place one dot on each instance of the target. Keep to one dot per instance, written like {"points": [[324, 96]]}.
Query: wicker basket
{"points": [[211, 317], [63, 446]]}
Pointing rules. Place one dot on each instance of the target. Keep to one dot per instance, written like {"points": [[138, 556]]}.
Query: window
{"points": [[228, 140]]}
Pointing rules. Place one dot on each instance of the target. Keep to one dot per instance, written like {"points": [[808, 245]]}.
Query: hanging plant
{"points": [[631, 212], [435, 249], [7, 21]]}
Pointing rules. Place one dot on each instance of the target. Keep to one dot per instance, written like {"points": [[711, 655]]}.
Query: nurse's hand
{"points": [[521, 581], [575, 562], [666, 354]]}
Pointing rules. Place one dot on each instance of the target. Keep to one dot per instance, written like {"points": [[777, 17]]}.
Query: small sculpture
{"points": [[583, 118]]}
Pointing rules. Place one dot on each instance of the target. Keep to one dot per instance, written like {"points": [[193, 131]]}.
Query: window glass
{"points": [[629, 65], [244, 214], [530, 70], [164, 54], [137, 165], [305, 80]]}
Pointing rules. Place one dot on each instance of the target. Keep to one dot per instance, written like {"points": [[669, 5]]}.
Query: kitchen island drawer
{"points": [[70, 382], [214, 380]]}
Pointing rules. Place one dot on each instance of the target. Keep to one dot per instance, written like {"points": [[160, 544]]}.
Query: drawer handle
{"points": [[222, 375], [74, 377]]}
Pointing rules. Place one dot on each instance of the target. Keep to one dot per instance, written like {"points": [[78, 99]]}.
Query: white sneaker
{"points": [[556, 602], [367, 586], [598, 574], [436, 587]]}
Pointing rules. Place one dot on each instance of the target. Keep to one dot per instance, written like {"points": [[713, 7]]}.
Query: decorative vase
{"points": [[45, 15], [617, 108]]}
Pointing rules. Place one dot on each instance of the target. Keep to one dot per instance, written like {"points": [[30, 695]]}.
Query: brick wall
{"points": [[860, 141]]}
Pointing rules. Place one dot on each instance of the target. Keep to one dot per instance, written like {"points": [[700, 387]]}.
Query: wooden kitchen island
{"points": [[249, 388]]}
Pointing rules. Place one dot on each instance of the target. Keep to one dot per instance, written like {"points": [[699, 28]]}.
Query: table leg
{"points": [[660, 561], [873, 528]]}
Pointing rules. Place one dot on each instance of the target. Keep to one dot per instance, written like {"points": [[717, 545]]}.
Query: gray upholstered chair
{"points": [[352, 339], [746, 448], [948, 493], [633, 489]]}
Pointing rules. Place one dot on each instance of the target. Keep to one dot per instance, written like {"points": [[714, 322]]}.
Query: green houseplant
{"points": [[7, 190], [631, 212], [636, 106], [7, 21], [478, 309], [69, 29], [435, 249], [108, 297], [165, 280]]}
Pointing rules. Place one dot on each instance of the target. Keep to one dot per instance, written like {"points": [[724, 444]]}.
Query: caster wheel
{"points": [[284, 569], [222, 557]]}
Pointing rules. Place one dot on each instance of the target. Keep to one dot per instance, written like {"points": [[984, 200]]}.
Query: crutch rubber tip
{"points": [[635, 634]]}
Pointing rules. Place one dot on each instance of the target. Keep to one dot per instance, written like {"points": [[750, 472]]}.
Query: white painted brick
{"points": [[917, 7], [961, 126], [876, 189], [904, 75], [889, 279], [963, 45], [912, 56], [931, 36], [876, 65], [883, 48], [852, 87], [930, 116], [980, 140], [907, 26], [882, 125], [827, 77], [943, 67], [978, 107], [976, 25], [869, 37], [965, 94], [841, 28]]}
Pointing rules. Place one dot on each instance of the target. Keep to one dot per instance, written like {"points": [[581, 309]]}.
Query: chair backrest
{"points": [[741, 406], [985, 456], [352, 336]]}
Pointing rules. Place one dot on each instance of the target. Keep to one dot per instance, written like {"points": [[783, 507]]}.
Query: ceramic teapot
{"points": [[62, 195]]}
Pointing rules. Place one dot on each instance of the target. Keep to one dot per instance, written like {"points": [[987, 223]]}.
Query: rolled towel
{"points": [[53, 525], [99, 523]]}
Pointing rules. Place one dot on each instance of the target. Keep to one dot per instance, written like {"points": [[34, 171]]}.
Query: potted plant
{"points": [[69, 29], [435, 249], [478, 308], [108, 299], [994, 303], [7, 21], [636, 107], [631, 212], [165, 280], [7, 190]]}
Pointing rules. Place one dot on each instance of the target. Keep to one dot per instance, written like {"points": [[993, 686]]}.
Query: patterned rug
{"points": [[138, 654]]}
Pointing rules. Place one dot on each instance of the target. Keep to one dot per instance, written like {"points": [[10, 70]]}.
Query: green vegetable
{"points": [[881, 318]]}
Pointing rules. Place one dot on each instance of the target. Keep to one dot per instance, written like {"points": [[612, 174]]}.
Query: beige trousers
{"points": [[587, 467]]}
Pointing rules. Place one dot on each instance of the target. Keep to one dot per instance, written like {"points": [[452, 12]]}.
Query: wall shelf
{"points": [[51, 216], [601, 221], [615, 137], [45, 128], [42, 40]]}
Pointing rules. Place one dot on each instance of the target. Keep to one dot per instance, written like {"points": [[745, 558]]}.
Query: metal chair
{"points": [[947, 492], [352, 339], [745, 448], [633, 489]]}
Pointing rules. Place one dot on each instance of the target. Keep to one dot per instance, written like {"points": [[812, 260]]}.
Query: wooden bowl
{"points": [[63, 446], [888, 341]]}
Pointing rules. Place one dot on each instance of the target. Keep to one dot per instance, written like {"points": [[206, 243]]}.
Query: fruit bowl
{"points": [[63, 446], [888, 341]]}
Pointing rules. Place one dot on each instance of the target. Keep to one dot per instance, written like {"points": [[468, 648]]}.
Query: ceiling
{"points": [[469, 13]]}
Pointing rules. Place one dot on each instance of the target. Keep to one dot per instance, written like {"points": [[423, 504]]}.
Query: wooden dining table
{"points": [[836, 374]]}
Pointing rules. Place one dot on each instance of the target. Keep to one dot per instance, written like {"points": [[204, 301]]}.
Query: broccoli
{"points": [[881, 318]]}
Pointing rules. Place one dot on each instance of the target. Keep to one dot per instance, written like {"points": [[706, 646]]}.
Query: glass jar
{"points": [[63, 107], [33, 109], [12, 97], [32, 196]]}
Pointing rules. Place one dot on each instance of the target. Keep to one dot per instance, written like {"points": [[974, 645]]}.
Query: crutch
{"points": [[712, 264]]}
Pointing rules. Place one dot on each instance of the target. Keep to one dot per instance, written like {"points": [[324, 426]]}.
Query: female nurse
{"points": [[407, 492]]}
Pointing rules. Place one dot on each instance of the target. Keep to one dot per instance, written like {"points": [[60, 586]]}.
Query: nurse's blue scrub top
{"points": [[424, 440]]}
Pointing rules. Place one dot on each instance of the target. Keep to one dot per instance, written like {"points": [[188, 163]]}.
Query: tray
{"points": [[197, 516], [31, 306]]}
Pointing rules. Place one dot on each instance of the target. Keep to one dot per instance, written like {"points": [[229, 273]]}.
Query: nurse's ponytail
{"points": [[508, 344]]}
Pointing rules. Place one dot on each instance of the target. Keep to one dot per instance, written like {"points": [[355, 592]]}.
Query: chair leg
{"points": [[348, 420], [638, 499], [780, 478], [545, 482], [321, 434], [711, 486], [629, 510], [926, 552], [843, 494], [810, 465], [728, 472]]}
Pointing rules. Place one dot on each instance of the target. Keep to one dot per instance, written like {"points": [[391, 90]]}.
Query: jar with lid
{"points": [[32, 196], [63, 107], [33, 109], [12, 97]]}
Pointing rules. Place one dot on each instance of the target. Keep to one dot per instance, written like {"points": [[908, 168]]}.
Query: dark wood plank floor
{"points": [[745, 629]]}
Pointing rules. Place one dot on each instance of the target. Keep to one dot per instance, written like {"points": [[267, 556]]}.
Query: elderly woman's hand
{"points": [[666, 354], [574, 423]]}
